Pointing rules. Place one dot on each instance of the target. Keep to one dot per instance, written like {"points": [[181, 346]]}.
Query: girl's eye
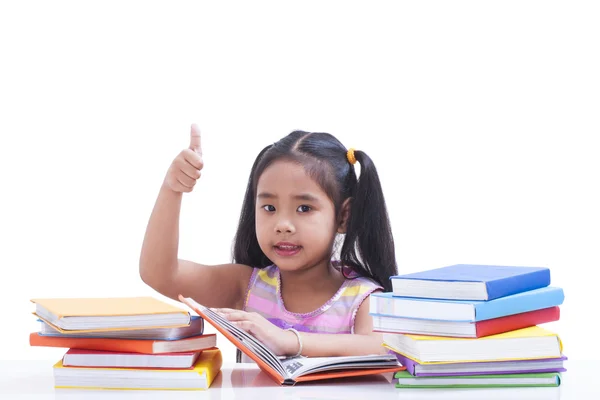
{"points": [[304, 209], [268, 207]]}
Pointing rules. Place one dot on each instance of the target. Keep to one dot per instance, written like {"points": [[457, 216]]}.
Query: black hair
{"points": [[368, 246]]}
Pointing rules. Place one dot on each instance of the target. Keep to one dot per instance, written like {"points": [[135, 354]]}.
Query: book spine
{"points": [[518, 284], [407, 362], [210, 362]]}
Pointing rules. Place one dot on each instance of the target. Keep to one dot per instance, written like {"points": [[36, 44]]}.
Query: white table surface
{"points": [[26, 379]]}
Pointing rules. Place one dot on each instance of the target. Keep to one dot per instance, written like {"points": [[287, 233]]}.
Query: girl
{"points": [[283, 286]]}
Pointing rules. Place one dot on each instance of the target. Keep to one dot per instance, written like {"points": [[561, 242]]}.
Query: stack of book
{"points": [[472, 326], [126, 343]]}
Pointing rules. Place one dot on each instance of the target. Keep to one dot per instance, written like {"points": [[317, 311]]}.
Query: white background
{"points": [[481, 118]]}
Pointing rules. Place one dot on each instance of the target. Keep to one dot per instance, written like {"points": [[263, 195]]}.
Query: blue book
{"points": [[470, 282], [385, 304]]}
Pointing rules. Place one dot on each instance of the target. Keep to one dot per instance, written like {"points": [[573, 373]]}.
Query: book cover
{"points": [[478, 282], [289, 371]]}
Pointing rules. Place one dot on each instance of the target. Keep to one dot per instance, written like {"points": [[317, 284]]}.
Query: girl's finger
{"points": [[244, 325], [186, 180], [184, 187], [225, 310], [236, 316], [193, 159], [188, 169]]}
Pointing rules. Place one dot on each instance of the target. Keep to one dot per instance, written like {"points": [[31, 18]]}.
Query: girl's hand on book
{"points": [[281, 342], [185, 169]]}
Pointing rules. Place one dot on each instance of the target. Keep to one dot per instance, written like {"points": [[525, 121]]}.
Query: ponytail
{"points": [[369, 244]]}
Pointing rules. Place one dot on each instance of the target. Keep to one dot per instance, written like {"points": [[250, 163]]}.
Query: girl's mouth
{"points": [[286, 249]]}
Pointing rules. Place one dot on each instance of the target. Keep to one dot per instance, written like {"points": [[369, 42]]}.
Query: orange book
{"points": [[73, 315], [291, 370], [144, 346]]}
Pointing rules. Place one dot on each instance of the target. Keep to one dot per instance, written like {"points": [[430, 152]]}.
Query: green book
{"points": [[405, 380]]}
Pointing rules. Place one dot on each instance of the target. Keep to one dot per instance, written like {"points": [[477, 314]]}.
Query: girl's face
{"points": [[295, 219]]}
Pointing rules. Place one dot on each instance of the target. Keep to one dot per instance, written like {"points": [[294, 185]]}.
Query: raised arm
{"points": [[213, 286]]}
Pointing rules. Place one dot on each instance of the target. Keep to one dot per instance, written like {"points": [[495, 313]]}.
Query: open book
{"points": [[288, 371]]}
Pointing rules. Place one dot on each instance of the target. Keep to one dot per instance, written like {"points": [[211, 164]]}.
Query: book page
{"points": [[244, 338], [297, 366]]}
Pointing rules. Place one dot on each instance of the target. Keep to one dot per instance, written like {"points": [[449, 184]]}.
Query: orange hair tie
{"points": [[350, 156]]}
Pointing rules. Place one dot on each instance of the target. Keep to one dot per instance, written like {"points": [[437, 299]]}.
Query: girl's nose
{"points": [[284, 225]]}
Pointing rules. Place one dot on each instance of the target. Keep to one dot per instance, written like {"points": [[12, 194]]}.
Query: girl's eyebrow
{"points": [[301, 196], [306, 197], [266, 195]]}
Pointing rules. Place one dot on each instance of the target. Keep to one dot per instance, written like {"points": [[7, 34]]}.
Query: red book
{"points": [[516, 321]]}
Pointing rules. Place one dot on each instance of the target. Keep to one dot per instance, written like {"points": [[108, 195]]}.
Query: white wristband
{"points": [[299, 353]]}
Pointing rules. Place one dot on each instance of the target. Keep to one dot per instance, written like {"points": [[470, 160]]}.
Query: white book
{"points": [[527, 343], [383, 323], [112, 359], [199, 377]]}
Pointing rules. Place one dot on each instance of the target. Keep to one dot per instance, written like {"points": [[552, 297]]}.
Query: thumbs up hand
{"points": [[185, 169]]}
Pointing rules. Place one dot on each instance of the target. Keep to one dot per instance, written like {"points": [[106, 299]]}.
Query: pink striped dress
{"points": [[335, 316]]}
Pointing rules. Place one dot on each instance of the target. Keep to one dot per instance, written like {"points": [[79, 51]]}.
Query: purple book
{"points": [[483, 368]]}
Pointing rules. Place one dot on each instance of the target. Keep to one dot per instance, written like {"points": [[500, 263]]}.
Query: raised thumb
{"points": [[195, 143]]}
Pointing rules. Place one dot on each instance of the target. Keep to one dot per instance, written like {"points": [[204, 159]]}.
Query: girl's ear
{"points": [[344, 216]]}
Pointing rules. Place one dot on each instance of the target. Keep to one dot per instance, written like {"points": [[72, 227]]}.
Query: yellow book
{"points": [[521, 344], [73, 315], [200, 377]]}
